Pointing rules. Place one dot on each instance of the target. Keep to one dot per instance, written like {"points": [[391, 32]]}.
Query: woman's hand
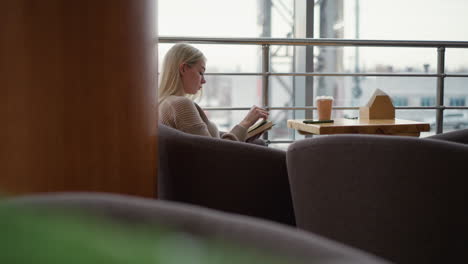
{"points": [[253, 116]]}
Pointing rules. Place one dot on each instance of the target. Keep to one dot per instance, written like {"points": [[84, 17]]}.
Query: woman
{"points": [[181, 79]]}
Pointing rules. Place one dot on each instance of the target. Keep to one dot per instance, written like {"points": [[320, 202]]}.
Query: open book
{"points": [[259, 127]]}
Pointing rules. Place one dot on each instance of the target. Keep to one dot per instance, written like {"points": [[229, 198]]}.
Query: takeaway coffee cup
{"points": [[324, 107]]}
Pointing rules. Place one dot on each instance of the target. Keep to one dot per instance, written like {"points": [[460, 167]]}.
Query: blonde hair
{"points": [[171, 81]]}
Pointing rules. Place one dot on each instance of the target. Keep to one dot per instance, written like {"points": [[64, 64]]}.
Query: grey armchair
{"points": [[458, 136], [401, 198], [230, 176], [272, 239]]}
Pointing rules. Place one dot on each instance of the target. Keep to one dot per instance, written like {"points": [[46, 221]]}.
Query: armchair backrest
{"points": [[401, 198], [197, 223], [231, 176], [457, 136]]}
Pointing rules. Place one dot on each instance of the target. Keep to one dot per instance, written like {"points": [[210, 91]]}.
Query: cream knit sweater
{"points": [[181, 113]]}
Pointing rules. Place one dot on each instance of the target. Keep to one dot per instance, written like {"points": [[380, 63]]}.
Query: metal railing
{"points": [[265, 74]]}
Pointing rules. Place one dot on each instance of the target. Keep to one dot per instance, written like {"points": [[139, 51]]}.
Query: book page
{"points": [[257, 125], [259, 128]]}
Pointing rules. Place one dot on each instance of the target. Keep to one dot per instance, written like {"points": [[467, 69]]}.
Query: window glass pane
{"points": [[375, 59], [389, 60], [222, 18], [282, 58], [400, 19], [280, 131], [456, 91], [409, 90], [457, 101], [428, 101], [395, 20], [207, 18], [281, 91], [231, 91], [400, 101], [456, 61], [224, 58], [282, 17], [455, 119]]}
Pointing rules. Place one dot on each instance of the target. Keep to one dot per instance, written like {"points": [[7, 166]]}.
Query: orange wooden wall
{"points": [[78, 96]]}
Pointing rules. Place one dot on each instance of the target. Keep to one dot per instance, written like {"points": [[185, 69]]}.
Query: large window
{"points": [[350, 19]]}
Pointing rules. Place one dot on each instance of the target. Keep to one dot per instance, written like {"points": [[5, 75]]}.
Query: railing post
{"points": [[440, 89], [265, 80]]}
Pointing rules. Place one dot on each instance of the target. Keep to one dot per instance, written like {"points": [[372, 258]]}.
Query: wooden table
{"points": [[362, 126]]}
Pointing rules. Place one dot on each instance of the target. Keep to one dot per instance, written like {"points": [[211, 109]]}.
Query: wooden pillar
{"points": [[78, 96]]}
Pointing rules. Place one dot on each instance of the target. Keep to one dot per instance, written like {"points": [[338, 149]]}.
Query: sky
{"points": [[379, 19]]}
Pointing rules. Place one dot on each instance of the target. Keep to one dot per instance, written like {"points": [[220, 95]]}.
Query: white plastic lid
{"points": [[324, 98]]}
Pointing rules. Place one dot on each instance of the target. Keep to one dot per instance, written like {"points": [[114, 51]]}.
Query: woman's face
{"points": [[193, 77]]}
